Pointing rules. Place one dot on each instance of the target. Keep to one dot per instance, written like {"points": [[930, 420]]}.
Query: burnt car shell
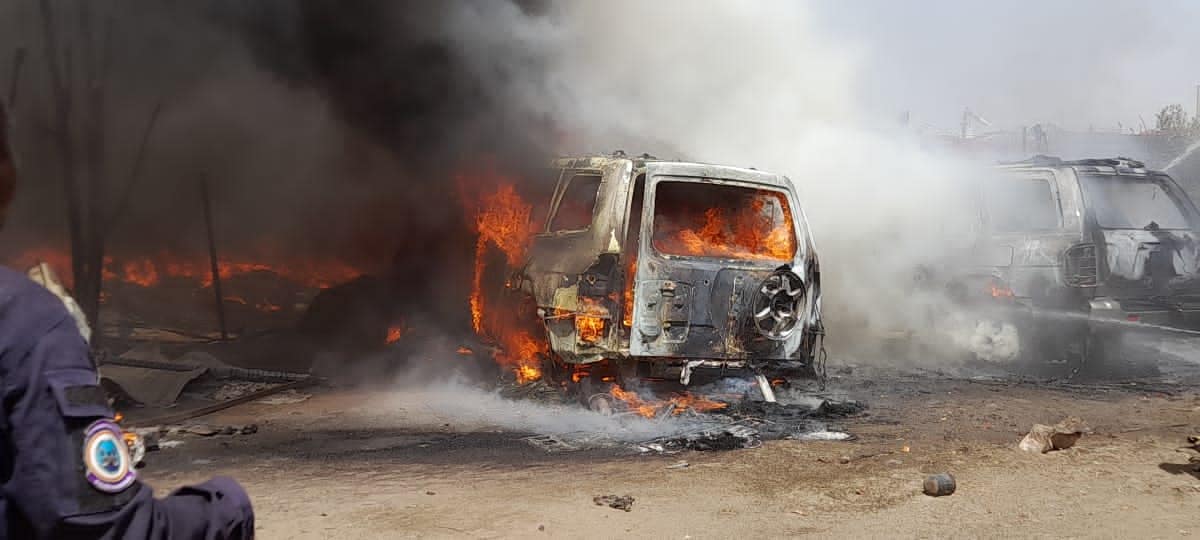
{"points": [[1113, 241], [683, 308]]}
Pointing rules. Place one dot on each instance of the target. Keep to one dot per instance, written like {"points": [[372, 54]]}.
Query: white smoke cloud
{"points": [[749, 84]]}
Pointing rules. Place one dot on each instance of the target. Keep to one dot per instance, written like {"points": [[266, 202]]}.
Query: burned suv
{"points": [[1079, 252], [651, 269]]}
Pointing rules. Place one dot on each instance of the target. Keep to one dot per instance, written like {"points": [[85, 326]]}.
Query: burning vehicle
{"points": [[1072, 254], [636, 268]]}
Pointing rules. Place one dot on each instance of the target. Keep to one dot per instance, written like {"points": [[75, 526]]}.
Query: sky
{"points": [[1074, 63]]}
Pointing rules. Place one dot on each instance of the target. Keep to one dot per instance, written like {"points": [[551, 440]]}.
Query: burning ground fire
{"points": [[152, 271], [676, 404]]}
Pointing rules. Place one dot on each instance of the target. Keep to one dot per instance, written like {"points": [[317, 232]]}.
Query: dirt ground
{"points": [[366, 464]]}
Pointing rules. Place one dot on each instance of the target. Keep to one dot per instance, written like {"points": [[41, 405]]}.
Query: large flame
{"points": [[503, 219], [748, 232]]}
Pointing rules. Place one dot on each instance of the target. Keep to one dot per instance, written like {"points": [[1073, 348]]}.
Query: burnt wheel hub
{"points": [[778, 304]]}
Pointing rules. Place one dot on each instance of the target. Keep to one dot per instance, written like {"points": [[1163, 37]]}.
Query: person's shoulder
{"points": [[25, 305]]}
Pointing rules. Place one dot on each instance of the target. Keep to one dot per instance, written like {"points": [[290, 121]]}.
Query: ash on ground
{"points": [[744, 422]]}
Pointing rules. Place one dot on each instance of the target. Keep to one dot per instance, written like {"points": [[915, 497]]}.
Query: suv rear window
{"points": [[1132, 202], [722, 221]]}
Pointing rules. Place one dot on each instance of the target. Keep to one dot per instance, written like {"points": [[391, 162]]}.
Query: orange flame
{"points": [[630, 283], [502, 219], [590, 322], [394, 333], [141, 272], [268, 307], [678, 403], [523, 353], [750, 233], [149, 271]]}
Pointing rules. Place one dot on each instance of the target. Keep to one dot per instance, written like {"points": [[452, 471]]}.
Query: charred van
{"points": [[1080, 252], [653, 269]]}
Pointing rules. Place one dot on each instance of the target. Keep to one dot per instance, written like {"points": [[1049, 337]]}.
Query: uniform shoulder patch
{"points": [[106, 461]]}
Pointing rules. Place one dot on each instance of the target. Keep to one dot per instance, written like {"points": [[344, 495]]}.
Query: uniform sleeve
{"points": [[71, 475]]}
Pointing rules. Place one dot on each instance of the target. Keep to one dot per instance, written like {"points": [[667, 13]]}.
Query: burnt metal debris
{"points": [[619, 502], [741, 425]]}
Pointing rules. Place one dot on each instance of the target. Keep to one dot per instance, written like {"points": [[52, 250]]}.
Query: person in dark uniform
{"points": [[65, 470]]}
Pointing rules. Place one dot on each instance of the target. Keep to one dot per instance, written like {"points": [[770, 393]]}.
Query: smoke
{"points": [[472, 408], [334, 129], [763, 85]]}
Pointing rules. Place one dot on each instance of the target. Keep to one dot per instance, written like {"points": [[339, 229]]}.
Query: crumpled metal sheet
{"points": [[150, 387]]}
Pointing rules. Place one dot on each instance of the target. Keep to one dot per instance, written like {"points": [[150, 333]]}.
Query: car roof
{"points": [[674, 166], [1117, 165]]}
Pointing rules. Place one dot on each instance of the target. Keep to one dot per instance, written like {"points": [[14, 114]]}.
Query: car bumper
{"points": [[1106, 313]]}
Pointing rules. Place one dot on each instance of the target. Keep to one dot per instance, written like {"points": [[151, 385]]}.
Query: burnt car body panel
{"points": [[683, 308], [700, 307]]}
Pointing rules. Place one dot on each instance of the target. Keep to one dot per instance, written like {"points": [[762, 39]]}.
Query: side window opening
{"points": [[577, 204], [1021, 204]]}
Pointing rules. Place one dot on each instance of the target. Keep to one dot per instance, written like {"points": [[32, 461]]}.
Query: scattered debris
{"points": [[150, 387], [624, 502], [939, 485], [538, 390], [150, 439], [823, 436], [205, 430], [237, 389], [202, 430], [795, 420], [729, 437], [170, 443], [1060, 436], [220, 405], [287, 397], [550, 443], [679, 465]]}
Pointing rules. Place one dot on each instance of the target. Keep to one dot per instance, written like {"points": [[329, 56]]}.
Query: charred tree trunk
{"points": [[79, 118], [214, 262], [58, 66], [95, 67]]}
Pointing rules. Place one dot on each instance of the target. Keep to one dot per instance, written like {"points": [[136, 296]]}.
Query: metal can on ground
{"points": [[939, 485]]}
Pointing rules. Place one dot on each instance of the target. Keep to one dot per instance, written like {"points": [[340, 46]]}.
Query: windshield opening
{"points": [[1124, 202], [722, 221]]}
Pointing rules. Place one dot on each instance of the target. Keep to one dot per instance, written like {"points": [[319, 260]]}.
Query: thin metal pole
{"points": [[212, 257], [19, 61]]}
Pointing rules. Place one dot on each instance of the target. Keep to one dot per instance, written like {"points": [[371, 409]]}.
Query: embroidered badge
{"points": [[106, 458]]}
